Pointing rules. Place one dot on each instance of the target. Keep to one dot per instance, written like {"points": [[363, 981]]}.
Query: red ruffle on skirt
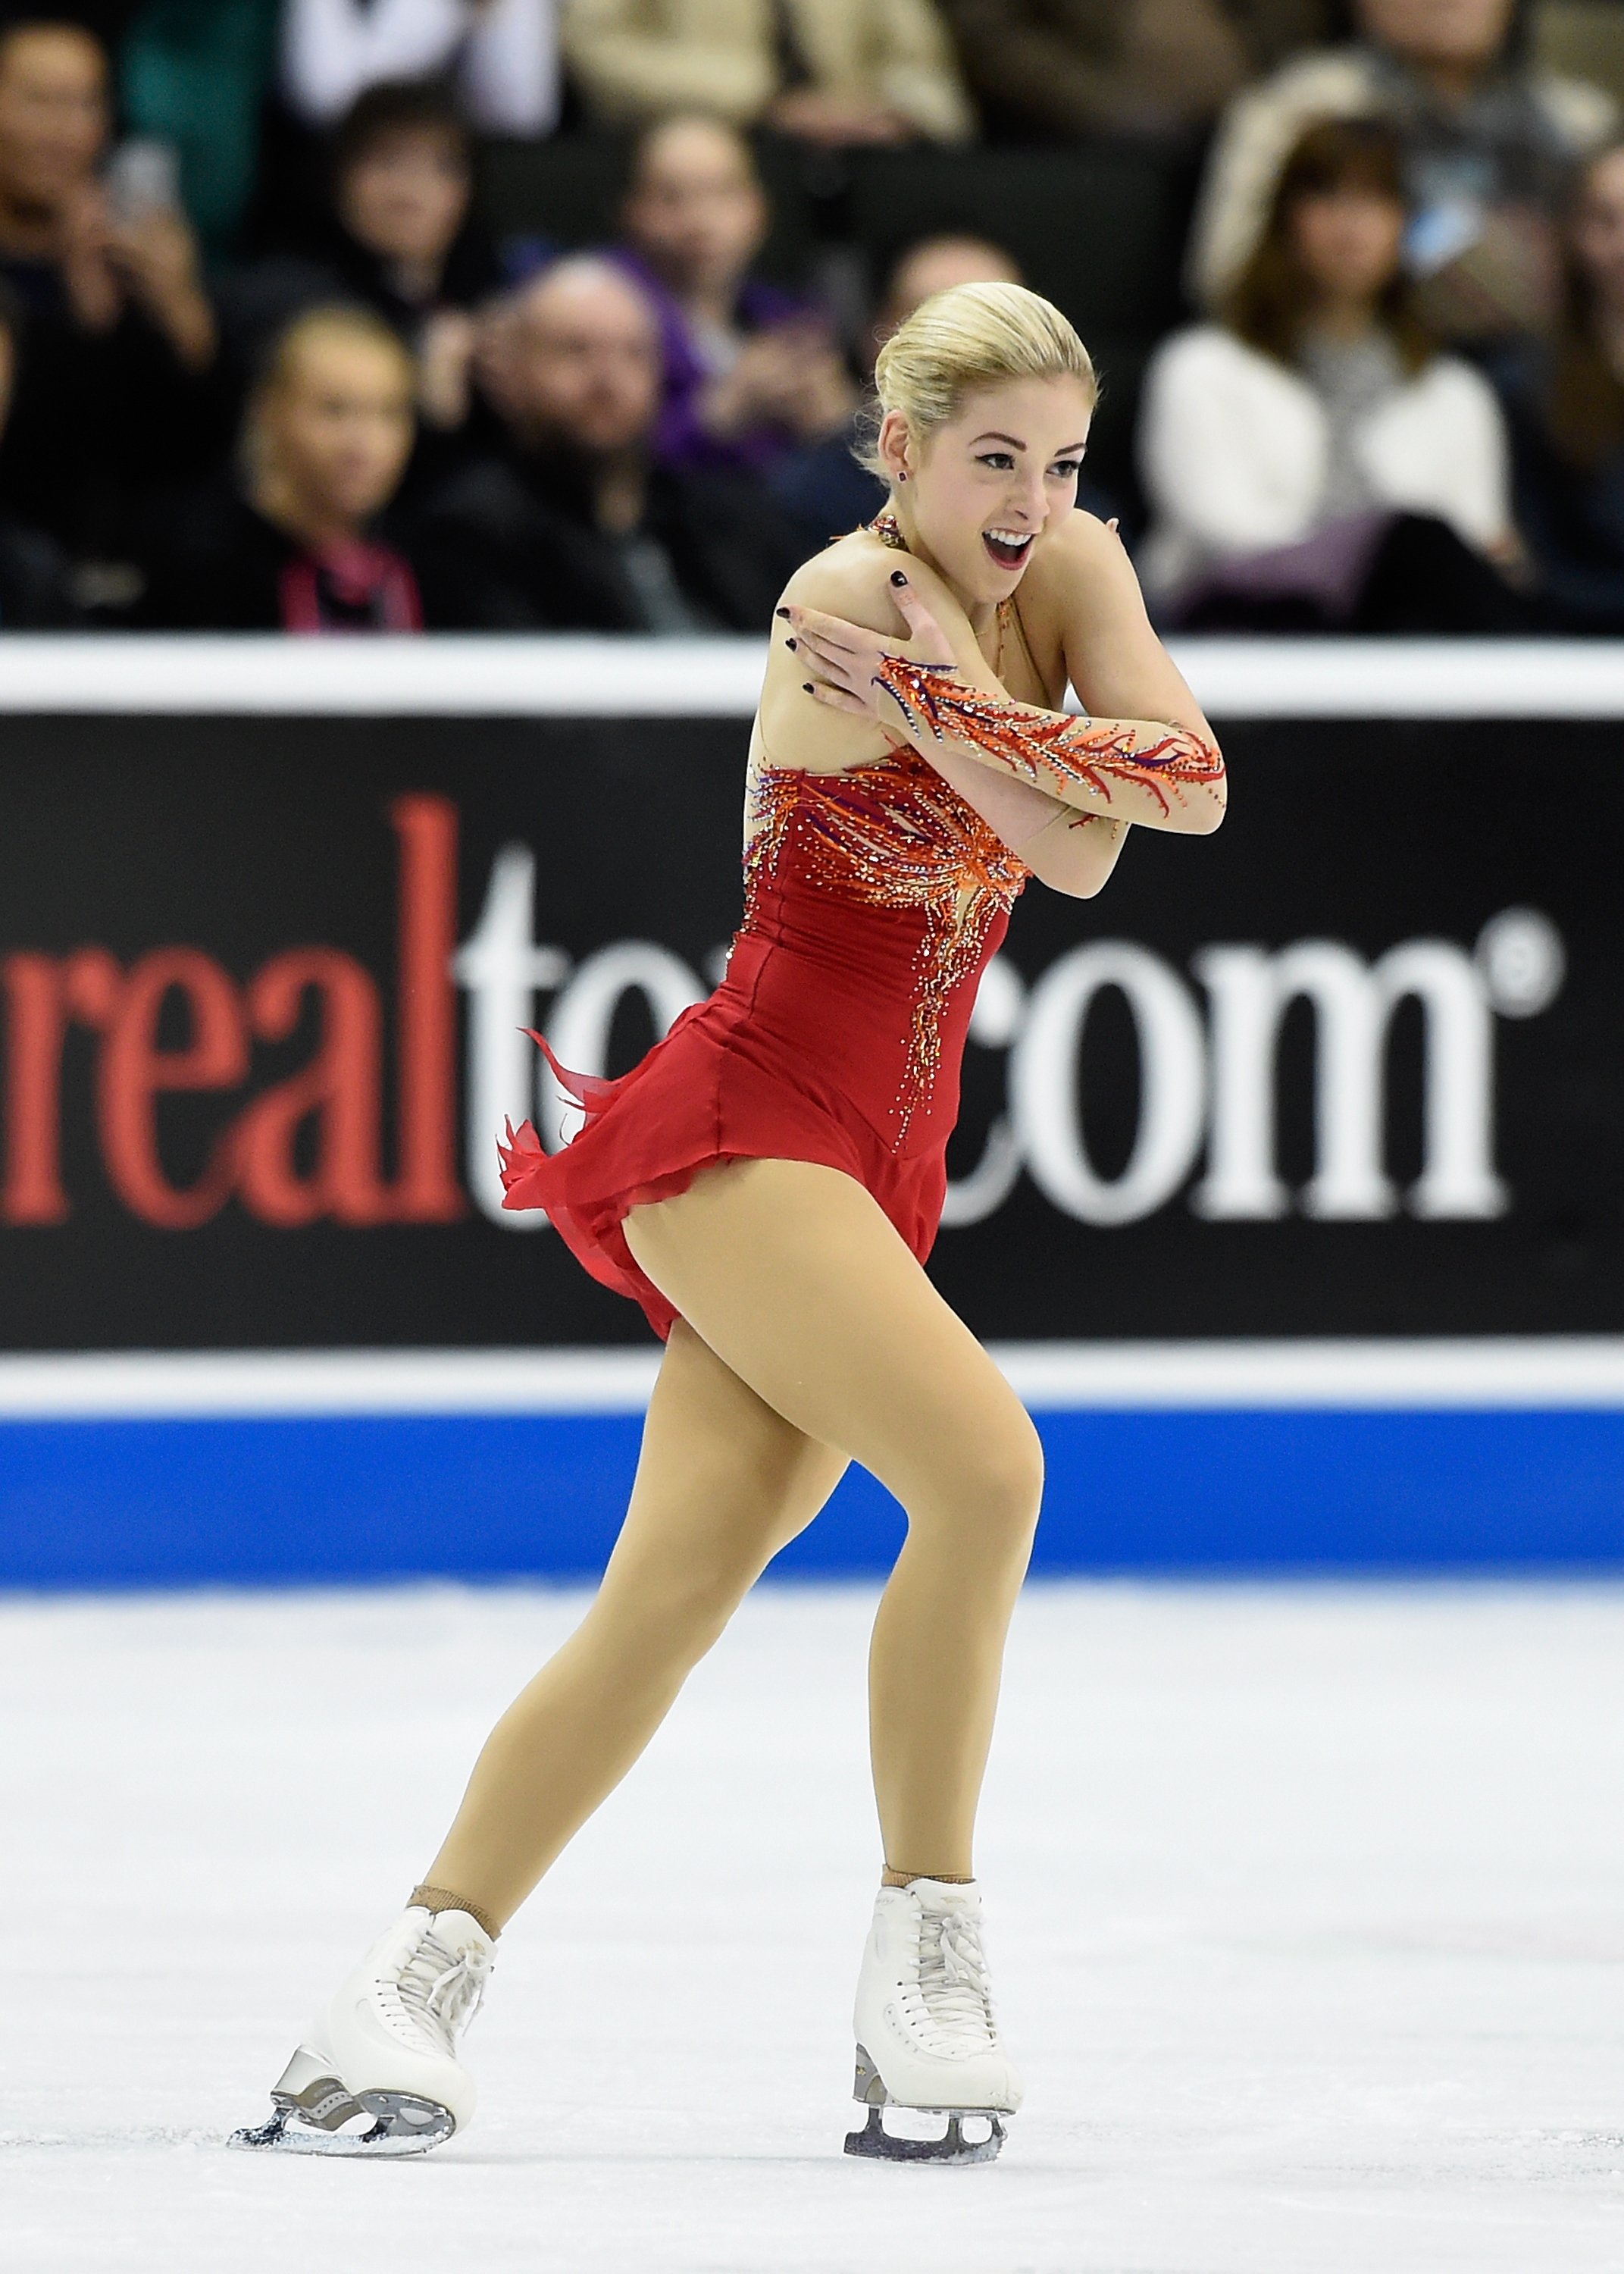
{"points": [[721, 1086]]}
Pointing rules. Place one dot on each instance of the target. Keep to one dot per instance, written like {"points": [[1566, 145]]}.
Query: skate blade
{"points": [[402, 2125], [884, 2147]]}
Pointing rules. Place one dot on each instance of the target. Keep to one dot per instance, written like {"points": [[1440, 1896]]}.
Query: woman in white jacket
{"points": [[1311, 459]]}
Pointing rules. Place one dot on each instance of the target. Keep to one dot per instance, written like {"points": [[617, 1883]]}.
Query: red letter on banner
{"points": [[341, 1087], [134, 1072], [36, 1022], [427, 1190], [42, 997]]}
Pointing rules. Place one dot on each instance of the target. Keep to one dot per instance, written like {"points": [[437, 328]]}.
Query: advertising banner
{"points": [[1355, 1066]]}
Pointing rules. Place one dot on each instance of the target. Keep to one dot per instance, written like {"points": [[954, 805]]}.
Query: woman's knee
{"points": [[991, 1484]]}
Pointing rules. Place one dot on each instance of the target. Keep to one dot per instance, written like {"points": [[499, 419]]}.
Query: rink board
{"points": [[165, 1501], [1317, 1081]]}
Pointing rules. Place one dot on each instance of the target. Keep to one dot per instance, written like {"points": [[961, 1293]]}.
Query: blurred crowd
{"points": [[491, 315]]}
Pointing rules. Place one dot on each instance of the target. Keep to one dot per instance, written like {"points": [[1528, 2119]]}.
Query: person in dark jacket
{"points": [[294, 546], [1564, 400], [119, 392], [397, 233], [573, 524]]}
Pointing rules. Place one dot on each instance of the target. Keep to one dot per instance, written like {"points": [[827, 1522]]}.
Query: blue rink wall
{"points": [[94, 1499]]}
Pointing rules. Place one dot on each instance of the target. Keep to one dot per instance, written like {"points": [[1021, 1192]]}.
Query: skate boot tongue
{"points": [[953, 1967], [441, 1984]]}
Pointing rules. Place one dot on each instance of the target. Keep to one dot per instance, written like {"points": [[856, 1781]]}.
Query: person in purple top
{"points": [[751, 372]]}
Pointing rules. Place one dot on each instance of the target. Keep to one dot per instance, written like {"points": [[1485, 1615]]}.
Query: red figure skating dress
{"points": [[874, 901]]}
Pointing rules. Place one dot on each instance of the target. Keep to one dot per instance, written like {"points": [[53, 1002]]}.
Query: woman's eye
{"points": [[1066, 470], [1000, 461]]}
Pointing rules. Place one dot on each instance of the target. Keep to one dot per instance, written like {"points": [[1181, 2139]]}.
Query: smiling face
{"points": [[982, 488]]}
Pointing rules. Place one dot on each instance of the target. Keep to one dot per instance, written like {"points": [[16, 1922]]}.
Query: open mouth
{"points": [[1009, 547]]}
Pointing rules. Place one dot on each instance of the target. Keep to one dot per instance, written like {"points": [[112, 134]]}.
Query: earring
{"points": [[901, 476]]}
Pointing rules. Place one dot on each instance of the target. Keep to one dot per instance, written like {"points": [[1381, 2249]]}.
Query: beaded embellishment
{"points": [[893, 835], [1076, 753]]}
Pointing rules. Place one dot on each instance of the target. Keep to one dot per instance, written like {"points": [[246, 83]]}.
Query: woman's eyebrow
{"points": [[1071, 449]]}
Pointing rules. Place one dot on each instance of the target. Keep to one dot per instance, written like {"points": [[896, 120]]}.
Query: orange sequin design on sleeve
{"points": [[892, 835], [1075, 752]]}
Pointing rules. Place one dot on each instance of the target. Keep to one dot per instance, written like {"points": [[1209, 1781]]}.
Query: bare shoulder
{"points": [[1080, 562], [852, 579], [1086, 599]]}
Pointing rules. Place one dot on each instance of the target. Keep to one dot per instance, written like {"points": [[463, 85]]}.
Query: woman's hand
{"points": [[845, 660]]}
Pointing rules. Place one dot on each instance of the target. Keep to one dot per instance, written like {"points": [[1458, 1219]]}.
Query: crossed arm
{"points": [[1061, 791]]}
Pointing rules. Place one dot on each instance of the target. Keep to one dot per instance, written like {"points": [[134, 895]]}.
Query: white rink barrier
{"points": [[503, 676]]}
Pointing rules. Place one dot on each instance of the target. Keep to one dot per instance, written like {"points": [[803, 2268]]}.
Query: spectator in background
{"points": [[403, 182], [822, 487], [832, 72], [504, 54], [1565, 398], [290, 547], [33, 575], [1075, 67], [575, 526], [117, 391], [750, 373], [1489, 143], [1312, 463], [397, 235]]}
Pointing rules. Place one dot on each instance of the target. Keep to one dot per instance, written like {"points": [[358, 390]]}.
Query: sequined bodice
{"points": [[896, 836]]}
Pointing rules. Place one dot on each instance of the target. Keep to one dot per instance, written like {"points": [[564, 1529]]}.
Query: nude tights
{"points": [[808, 1335]]}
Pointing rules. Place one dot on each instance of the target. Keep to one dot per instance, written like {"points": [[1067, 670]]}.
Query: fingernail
{"points": [[896, 576], [806, 687], [790, 645], [782, 611]]}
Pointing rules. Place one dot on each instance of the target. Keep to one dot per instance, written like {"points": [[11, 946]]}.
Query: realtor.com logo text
{"points": [[1208, 1073], [325, 1143]]}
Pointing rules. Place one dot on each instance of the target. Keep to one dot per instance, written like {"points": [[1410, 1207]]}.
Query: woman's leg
{"points": [[723, 1482], [799, 1284]]}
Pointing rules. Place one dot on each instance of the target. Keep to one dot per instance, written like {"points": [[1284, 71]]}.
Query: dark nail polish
{"points": [[782, 611], [790, 645], [896, 576], [806, 687]]}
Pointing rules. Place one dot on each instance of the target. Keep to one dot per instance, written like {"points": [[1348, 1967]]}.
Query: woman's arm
{"points": [[851, 581], [1070, 852], [1165, 771]]}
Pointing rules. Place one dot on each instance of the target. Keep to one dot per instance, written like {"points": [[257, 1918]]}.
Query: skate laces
{"points": [[953, 1988], [440, 1992]]}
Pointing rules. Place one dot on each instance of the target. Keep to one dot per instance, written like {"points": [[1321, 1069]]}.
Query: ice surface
{"points": [[1308, 1924]]}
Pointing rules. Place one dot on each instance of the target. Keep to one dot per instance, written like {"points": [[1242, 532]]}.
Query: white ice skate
{"points": [[927, 2037], [386, 2048]]}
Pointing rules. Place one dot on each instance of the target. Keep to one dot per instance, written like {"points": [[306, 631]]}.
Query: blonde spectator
{"points": [[294, 548], [1489, 141], [834, 73], [1313, 461]]}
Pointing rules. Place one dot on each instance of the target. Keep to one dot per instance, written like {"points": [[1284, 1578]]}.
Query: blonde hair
{"points": [[971, 336], [340, 321]]}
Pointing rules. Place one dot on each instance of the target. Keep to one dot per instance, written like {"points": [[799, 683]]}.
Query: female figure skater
{"points": [[767, 1182]]}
